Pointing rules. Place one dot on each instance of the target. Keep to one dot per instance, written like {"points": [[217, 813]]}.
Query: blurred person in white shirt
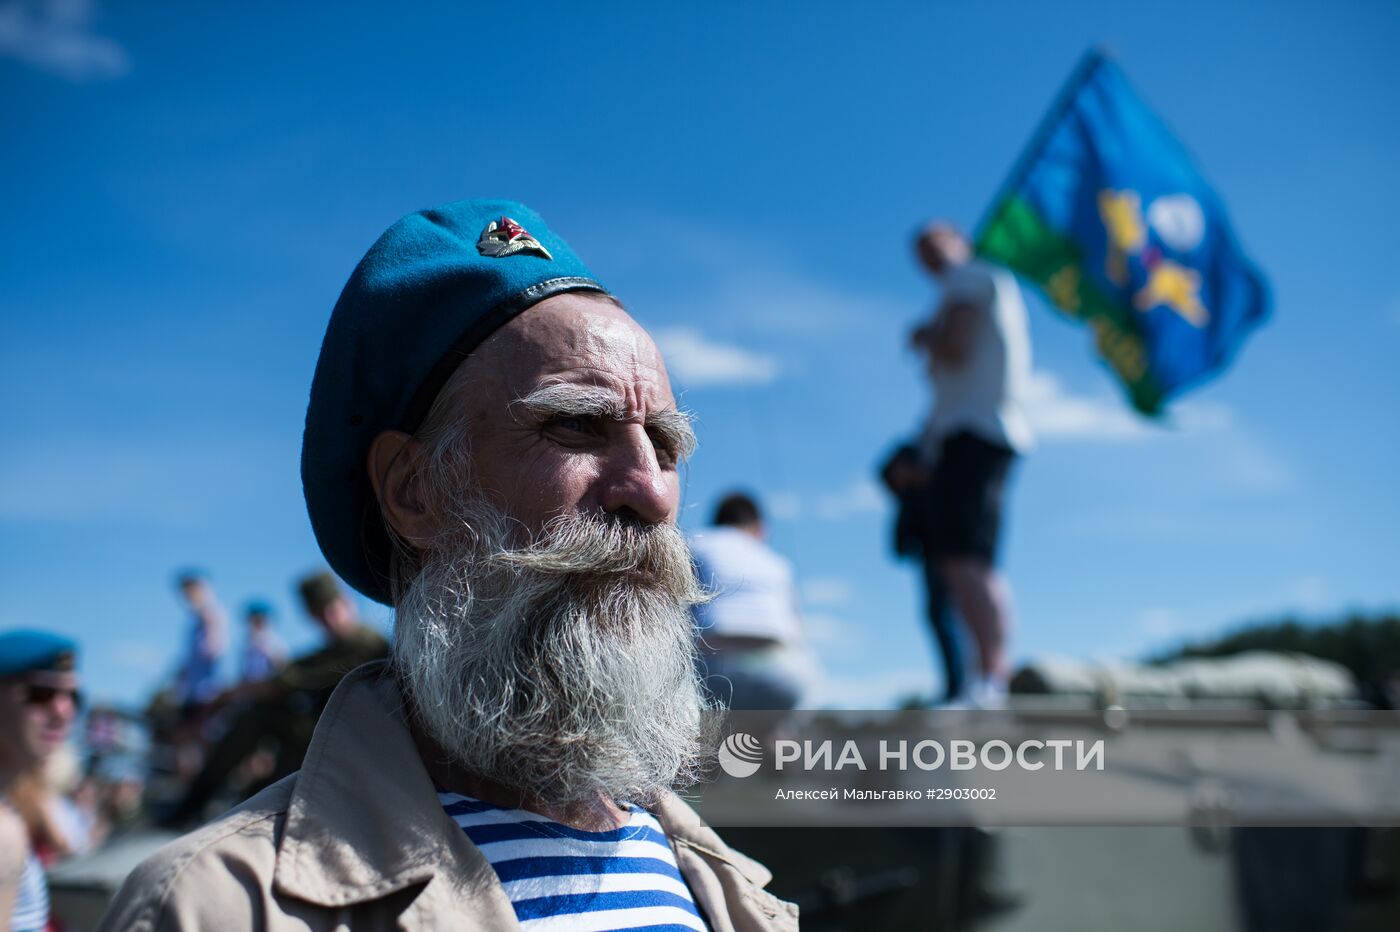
{"points": [[752, 646]]}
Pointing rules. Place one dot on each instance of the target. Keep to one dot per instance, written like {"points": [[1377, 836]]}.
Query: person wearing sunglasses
{"points": [[38, 701]]}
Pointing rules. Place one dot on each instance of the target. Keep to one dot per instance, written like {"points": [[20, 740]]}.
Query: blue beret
{"points": [[258, 607], [23, 651], [428, 292]]}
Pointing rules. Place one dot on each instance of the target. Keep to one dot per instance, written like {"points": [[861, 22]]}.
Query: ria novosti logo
{"points": [[740, 755]]}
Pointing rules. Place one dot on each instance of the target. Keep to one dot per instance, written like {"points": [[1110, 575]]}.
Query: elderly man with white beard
{"points": [[492, 447]]}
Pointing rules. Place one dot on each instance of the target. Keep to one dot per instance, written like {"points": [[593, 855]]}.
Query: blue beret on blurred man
{"points": [[492, 447], [38, 702]]}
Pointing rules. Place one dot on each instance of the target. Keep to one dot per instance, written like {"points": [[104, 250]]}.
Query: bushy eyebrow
{"points": [[676, 428], [566, 399]]}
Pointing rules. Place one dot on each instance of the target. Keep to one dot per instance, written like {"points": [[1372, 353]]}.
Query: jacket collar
{"points": [[364, 819], [685, 827]]}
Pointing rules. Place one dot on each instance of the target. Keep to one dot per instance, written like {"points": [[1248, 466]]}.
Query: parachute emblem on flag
{"points": [[1167, 283]]}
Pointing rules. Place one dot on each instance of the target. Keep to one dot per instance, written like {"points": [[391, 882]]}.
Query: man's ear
{"points": [[394, 462]]}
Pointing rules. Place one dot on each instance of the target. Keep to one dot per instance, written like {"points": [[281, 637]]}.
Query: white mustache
{"points": [[596, 546]]}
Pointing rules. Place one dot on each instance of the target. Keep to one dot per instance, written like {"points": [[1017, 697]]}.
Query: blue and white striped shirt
{"points": [[31, 909], [562, 878]]}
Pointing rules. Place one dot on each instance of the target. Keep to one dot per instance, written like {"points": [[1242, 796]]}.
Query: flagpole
{"points": [[1088, 64]]}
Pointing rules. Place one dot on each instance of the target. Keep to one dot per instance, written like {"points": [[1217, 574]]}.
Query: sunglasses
{"points": [[39, 694]]}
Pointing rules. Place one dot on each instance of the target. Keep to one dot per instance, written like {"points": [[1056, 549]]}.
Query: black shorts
{"points": [[962, 505]]}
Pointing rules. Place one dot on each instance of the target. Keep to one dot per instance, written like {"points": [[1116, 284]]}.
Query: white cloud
{"points": [[1158, 622], [832, 633], [861, 497], [56, 36], [782, 506], [769, 290], [827, 590], [696, 361], [1056, 413], [778, 300], [1198, 418], [1309, 594], [139, 657], [1248, 464], [1240, 459]]}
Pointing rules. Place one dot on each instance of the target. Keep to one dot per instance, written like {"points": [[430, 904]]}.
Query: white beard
{"points": [[563, 669]]}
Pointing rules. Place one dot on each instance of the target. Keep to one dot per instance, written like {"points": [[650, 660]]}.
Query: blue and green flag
{"points": [[1107, 214]]}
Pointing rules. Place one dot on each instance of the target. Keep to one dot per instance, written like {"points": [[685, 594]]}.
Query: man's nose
{"points": [[64, 707], [634, 484]]}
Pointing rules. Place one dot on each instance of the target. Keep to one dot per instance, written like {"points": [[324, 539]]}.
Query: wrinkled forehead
{"points": [[573, 338]]}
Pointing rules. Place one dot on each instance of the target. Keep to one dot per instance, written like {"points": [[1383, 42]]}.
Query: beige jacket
{"points": [[357, 840]]}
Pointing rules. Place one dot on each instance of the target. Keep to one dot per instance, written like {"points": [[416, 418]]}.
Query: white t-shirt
{"points": [[985, 393], [756, 595]]}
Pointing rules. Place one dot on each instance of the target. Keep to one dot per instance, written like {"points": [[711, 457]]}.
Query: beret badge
{"points": [[505, 237]]}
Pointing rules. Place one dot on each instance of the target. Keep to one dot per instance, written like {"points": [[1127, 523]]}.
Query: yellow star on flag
{"points": [[1177, 287]]}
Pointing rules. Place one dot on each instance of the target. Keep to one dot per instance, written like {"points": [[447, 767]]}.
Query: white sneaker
{"points": [[989, 694]]}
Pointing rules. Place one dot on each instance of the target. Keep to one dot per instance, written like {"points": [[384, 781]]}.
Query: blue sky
{"points": [[186, 189]]}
